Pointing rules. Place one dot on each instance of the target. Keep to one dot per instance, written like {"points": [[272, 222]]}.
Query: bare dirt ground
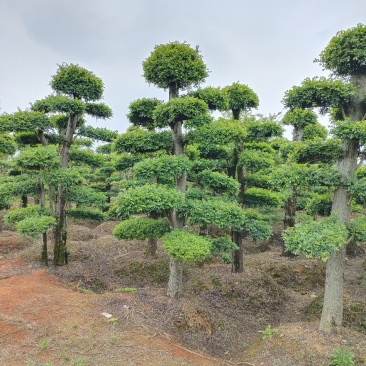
{"points": [[53, 316]]}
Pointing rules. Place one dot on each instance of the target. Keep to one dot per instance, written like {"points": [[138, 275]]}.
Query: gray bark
{"points": [[332, 313], [60, 230], [175, 284]]}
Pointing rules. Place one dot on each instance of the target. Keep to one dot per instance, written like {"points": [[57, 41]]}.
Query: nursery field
{"points": [[53, 316]]}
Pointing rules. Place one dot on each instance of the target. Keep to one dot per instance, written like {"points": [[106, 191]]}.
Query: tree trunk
{"points": [[332, 313], [297, 134], [175, 284], [238, 254], [289, 219], [42, 199], [24, 201], [236, 113], [60, 231]]}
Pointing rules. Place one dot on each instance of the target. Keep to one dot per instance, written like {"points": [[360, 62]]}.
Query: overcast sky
{"points": [[268, 45]]}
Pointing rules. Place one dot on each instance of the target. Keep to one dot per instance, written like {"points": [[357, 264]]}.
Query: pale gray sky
{"points": [[268, 45]]}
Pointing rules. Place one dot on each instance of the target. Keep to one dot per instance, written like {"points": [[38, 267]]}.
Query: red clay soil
{"points": [[43, 322]]}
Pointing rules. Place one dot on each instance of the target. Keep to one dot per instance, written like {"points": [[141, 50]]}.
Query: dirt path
{"points": [[42, 322]]}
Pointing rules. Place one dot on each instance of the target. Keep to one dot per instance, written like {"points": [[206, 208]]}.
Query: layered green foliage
{"points": [[141, 112], [316, 239], [350, 130], [138, 140], [314, 131], [319, 92], [37, 157], [148, 198], [218, 182], [174, 64], [254, 160], [141, 229], [163, 169], [65, 177], [215, 211], [20, 214], [241, 97], [7, 145], [255, 197], [215, 98], [97, 133], [179, 110], [185, 246], [75, 81], [33, 225], [299, 118], [345, 54]]}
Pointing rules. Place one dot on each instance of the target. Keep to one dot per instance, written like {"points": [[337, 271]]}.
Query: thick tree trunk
{"points": [[297, 134], [60, 231], [332, 313], [175, 284]]}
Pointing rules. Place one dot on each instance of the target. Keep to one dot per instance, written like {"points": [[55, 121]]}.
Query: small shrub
{"points": [[341, 357], [268, 332]]}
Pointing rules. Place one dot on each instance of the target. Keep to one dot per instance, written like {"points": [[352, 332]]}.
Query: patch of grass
{"points": [[130, 290], [113, 321], [85, 291], [43, 344]]}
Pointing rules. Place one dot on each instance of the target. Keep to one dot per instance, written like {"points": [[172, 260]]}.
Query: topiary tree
{"points": [[176, 66], [345, 57], [76, 89]]}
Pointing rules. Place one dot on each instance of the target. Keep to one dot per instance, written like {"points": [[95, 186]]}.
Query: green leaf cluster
{"points": [[7, 145], [148, 198], [163, 168], [66, 177], [98, 110], [218, 182], [37, 157], [32, 226], [178, 110], [141, 112], [299, 118], [59, 104], [20, 214], [86, 196], [314, 131], [175, 64], [241, 97], [254, 197], [221, 213], [350, 130], [255, 160], [141, 229], [317, 239], [77, 82], [138, 140], [185, 246], [97, 133], [319, 92], [345, 54], [215, 98]]}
